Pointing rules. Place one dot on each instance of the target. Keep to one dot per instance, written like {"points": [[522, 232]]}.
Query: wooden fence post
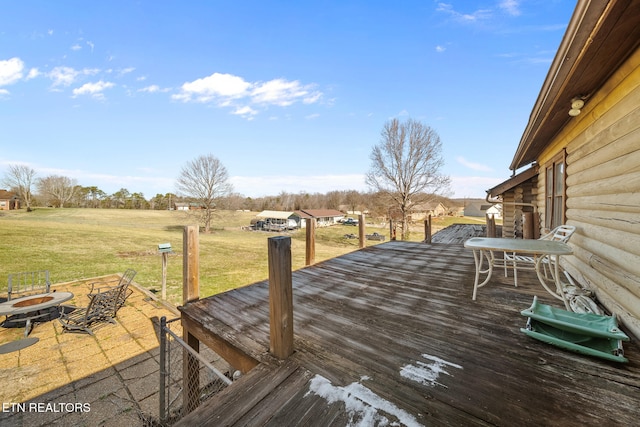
{"points": [[361, 230], [190, 293], [427, 229], [280, 296], [491, 225], [310, 253]]}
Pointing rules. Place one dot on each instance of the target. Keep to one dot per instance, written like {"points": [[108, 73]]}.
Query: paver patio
{"points": [[115, 372]]}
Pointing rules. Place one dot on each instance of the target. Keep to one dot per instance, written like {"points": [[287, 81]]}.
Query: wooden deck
{"points": [[389, 334]]}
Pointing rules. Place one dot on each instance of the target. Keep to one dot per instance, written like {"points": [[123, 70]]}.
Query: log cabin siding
{"points": [[603, 197], [512, 213]]}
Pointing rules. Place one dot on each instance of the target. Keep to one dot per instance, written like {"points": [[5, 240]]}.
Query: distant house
{"points": [[182, 206], [9, 200], [323, 217], [276, 221], [475, 207], [423, 210], [581, 151], [494, 210]]}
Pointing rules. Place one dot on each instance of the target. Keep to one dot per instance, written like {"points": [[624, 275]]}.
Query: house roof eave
{"points": [[599, 37]]}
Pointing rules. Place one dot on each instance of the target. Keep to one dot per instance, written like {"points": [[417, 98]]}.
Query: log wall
{"points": [[603, 193]]}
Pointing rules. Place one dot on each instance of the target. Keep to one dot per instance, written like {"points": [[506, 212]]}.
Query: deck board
{"points": [[362, 319]]}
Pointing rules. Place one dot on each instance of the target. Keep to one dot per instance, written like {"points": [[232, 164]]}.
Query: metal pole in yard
{"points": [[163, 370], [165, 256]]}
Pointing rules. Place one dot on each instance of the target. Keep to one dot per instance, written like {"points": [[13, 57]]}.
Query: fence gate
{"points": [[172, 351]]}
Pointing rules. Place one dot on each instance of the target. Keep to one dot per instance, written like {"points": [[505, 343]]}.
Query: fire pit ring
{"points": [[32, 301]]}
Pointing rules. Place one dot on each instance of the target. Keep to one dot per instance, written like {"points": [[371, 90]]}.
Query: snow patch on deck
{"points": [[427, 373], [365, 408]]}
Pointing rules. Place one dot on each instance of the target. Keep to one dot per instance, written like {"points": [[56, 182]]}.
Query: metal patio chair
{"points": [[561, 233], [101, 308], [122, 287], [29, 283]]}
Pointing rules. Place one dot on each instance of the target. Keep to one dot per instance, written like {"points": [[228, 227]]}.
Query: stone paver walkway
{"points": [[72, 379]]}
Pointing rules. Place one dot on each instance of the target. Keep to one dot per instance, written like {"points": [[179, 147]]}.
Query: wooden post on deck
{"points": [[190, 293], [361, 230], [427, 229], [280, 296], [491, 225], [310, 252], [527, 225]]}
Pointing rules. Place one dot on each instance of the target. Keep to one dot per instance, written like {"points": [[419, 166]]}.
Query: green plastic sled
{"points": [[584, 333]]}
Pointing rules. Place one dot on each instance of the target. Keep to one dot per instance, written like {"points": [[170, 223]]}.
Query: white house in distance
{"points": [[324, 217], [480, 207], [278, 220]]}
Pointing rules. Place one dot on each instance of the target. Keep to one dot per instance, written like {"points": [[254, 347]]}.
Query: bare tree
{"points": [[353, 199], [58, 189], [406, 166], [205, 180], [20, 178]]}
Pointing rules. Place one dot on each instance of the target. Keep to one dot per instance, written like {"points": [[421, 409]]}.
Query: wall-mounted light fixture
{"points": [[576, 106]]}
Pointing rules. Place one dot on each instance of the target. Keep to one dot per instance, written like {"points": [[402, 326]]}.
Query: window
{"points": [[555, 192]]}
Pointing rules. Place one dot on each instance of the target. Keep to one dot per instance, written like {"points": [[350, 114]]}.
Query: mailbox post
{"points": [[165, 250]]}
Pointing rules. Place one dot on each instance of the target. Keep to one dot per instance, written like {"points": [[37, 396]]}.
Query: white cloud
{"points": [[472, 186], [228, 90], [512, 7], [440, 49], [94, 90], [216, 86], [63, 76], [153, 89], [10, 71], [283, 93], [246, 112], [150, 89], [472, 165], [33, 73], [478, 15], [66, 76], [76, 47], [124, 71]]}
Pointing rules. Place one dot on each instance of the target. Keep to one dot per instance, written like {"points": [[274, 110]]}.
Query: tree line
{"points": [[64, 192], [404, 173]]}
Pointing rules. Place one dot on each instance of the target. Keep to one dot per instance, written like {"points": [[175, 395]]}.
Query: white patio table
{"points": [[32, 304], [484, 248]]}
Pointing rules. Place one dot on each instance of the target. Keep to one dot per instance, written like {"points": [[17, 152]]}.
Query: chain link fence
{"points": [[213, 373]]}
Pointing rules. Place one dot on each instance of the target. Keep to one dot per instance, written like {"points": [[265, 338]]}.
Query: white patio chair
{"points": [[561, 233]]}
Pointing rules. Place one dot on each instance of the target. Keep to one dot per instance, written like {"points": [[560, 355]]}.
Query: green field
{"points": [[76, 244], [83, 243]]}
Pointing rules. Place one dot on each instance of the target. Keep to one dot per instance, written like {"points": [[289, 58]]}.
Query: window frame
{"points": [[555, 201]]}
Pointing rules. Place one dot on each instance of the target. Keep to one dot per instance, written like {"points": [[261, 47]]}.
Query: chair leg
{"points": [[504, 264], [27, 328]]}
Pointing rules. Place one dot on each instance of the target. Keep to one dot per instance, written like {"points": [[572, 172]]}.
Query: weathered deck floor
{"points": [[390, 333]]}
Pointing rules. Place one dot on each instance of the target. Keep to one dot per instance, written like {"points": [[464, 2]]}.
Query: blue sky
{"points": [[290, 96]]}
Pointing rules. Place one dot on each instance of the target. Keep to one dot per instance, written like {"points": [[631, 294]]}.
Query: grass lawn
{"points": [[76, 244]]}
